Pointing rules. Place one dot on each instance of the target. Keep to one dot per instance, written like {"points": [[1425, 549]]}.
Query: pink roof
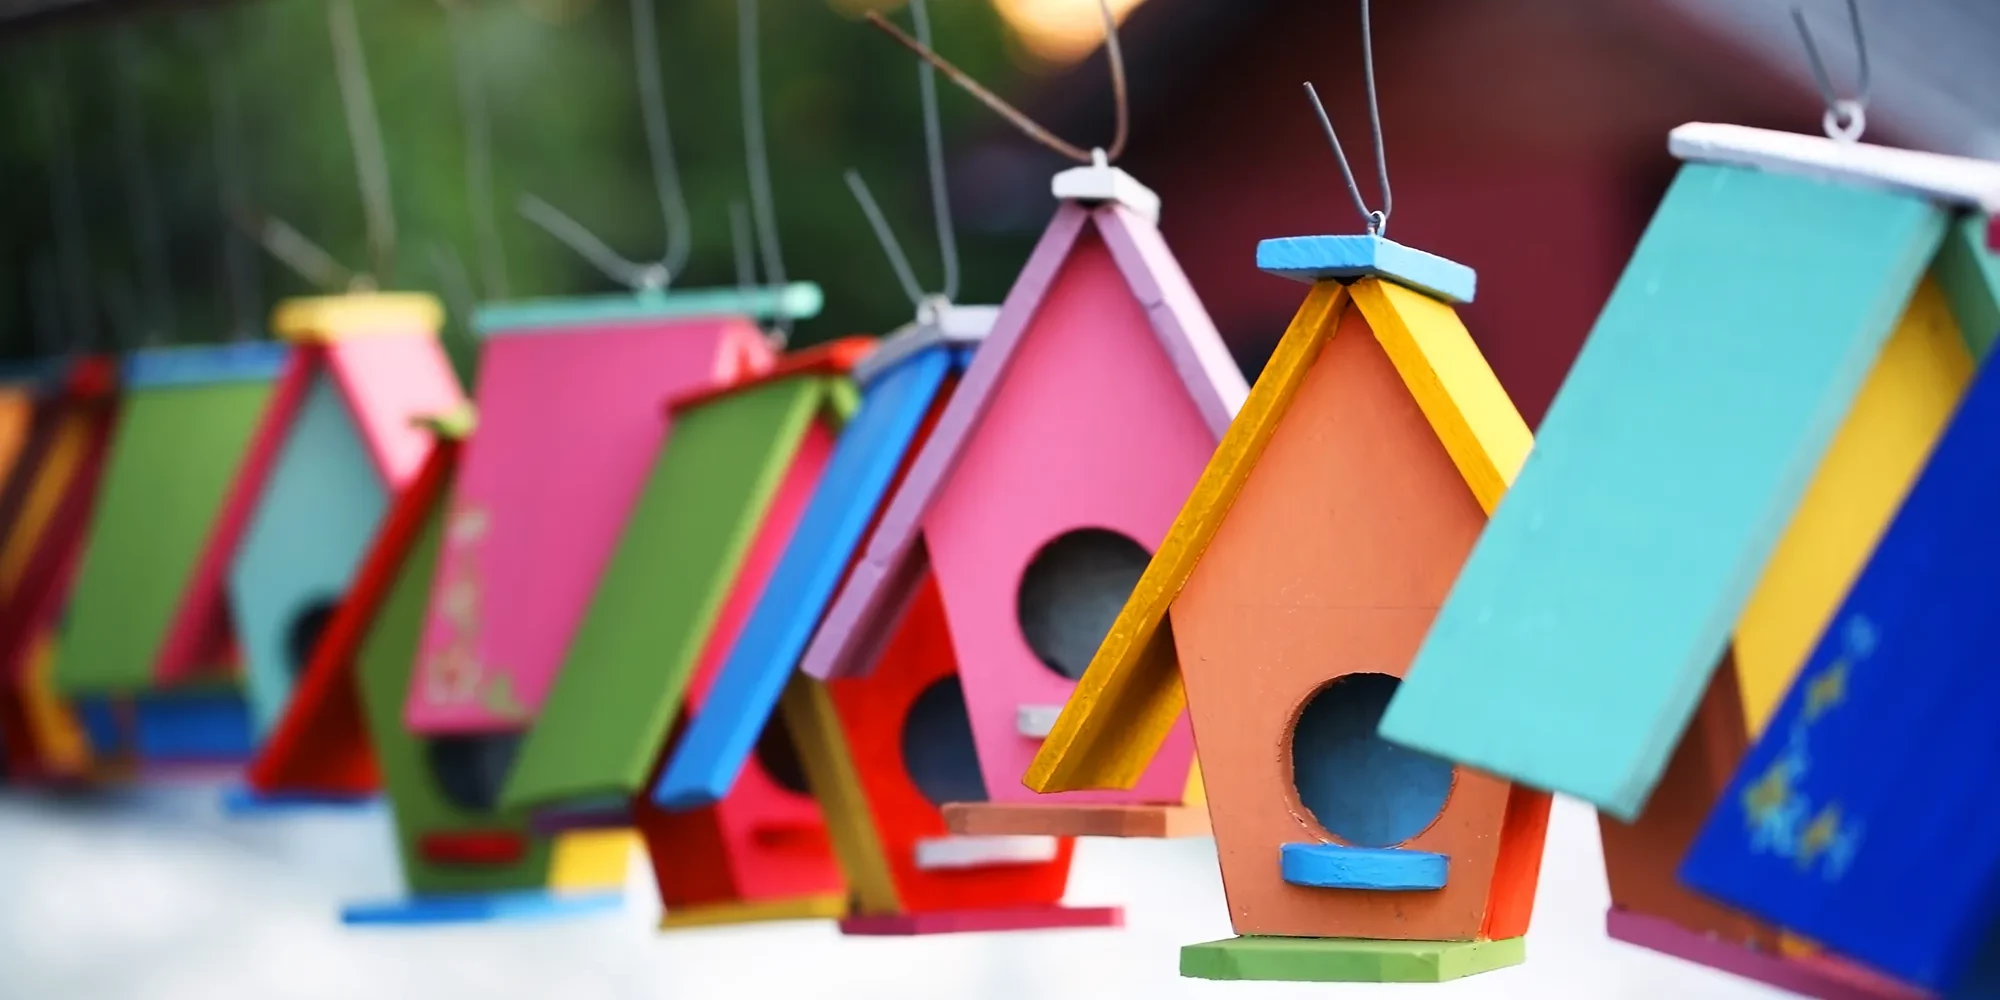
{"points": [[895, 560], [386, 380]]}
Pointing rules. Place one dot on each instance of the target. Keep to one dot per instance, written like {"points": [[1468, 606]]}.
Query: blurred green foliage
{"points": [[559, 76]]}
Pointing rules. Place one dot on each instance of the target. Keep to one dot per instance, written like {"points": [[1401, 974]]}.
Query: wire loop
{"points": [[1846, 117]]}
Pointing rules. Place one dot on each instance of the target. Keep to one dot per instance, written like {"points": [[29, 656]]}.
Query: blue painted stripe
{"points": [[100, 726], [481, 907], [1864, 816], [1345, 258], [201, 727], [205, 364], [800, 300], [1584, 627], [745, 693], [1380, 869], [240, 802]]}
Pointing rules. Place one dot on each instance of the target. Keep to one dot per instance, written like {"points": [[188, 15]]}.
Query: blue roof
{"points": [[205, 364], [1345, 258], [1864, 817], [718, 741]]}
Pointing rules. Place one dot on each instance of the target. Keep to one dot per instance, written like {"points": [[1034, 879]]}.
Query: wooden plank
{"points": [[1344, 258], [1944, 180], [389, 382], [1110, 819], [1874, 458], [203, 364], [1334, 960], [1863, 816], [1687, 431], [1452, 383], [1012, 918], [873, 448], [1130, 697], [831, 907], [326, 319], [1969, 271], [1374, 869], [174, 455], [799, 300], [1816, 976], [836, 784], [628, 668]]}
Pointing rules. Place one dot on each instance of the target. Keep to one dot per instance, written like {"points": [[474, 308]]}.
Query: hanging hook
{"points": [[940, 195], [1845, 118], [763, 211], [1377, 220], [1112, 52], [743, 247], [364, 131], [478, 153], [655, 275]]}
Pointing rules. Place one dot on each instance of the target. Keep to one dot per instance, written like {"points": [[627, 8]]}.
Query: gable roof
{"points": [[321, 745], [707, 498], [381, 352], [1667, 470], [1131, 695], [873, 452], [880, 584]]}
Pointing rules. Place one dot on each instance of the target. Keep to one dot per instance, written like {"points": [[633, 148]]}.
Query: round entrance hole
{"points": [[1071, 594], [779, 757], [938, 751], [303, 637], [1362, 788], [470, 768]]}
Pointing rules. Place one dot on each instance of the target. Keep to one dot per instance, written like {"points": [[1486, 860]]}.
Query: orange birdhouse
{"points": [[1289, 597]]}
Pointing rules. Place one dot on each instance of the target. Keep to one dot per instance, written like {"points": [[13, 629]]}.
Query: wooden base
{"points": [[1347, 960], [1013, 918], [480, 907], [723, 914], [240, 802], [1823, 976], [1064, 819]]}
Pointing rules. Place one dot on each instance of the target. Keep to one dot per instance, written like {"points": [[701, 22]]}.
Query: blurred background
{"points": [[1526, 138]]}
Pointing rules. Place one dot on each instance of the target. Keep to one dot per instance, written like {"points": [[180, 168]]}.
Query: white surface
{"points": [[1036, 721], [156, 897], [1951, 180], [938, 322], [954, 851], [1098, 181]]}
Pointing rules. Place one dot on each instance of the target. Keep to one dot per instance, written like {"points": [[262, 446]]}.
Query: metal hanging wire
{"points": [[743, 246], [655, 275], [763, 210], [149, 236], [239, 266], [940, 194], [1845, 117], [364, 131], [66, 215], [45, 300], [1028, 126], [1377, 220], [478, 150]]}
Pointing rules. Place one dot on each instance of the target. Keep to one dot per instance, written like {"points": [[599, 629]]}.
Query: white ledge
{"points": [[1951, 180]]}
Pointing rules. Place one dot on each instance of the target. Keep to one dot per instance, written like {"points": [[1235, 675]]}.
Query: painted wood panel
{"points": [[1335, 556], [1661, 479], [570, 423], [320, 505], [1091, 428]]}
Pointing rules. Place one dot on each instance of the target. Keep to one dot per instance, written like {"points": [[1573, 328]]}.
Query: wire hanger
{"points": [[1114, 55], [763, 209], [1377, 220], [66, 213], [940, 193], [1845, 118], [154, 317], [472, 110], [652, 276], [241, 278]]}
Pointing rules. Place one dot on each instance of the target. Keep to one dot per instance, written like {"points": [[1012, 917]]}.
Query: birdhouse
{"points": [[462, 860], [719, 505], [1703, 492], [146, 682], [1287, 601], [44, 512], [569, 400], [1840, 818], [334, 445], [878, 782], [1052, 474]]}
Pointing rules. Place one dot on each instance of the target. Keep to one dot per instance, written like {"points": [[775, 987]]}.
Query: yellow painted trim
{"points": [[455, 424], [1467, 408], [1128, 700], [590, 859], [1876, 456], [808, 711], [65, 750], [1196, 795], [724, 914], [53, 478], [323, 319]]}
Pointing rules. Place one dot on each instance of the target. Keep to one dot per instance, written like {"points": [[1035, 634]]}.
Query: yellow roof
{"points": [[1131, 696], [323, 319]]}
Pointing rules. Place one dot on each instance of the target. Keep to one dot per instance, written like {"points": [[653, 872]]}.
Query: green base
{"points": [[1347, 960]]}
